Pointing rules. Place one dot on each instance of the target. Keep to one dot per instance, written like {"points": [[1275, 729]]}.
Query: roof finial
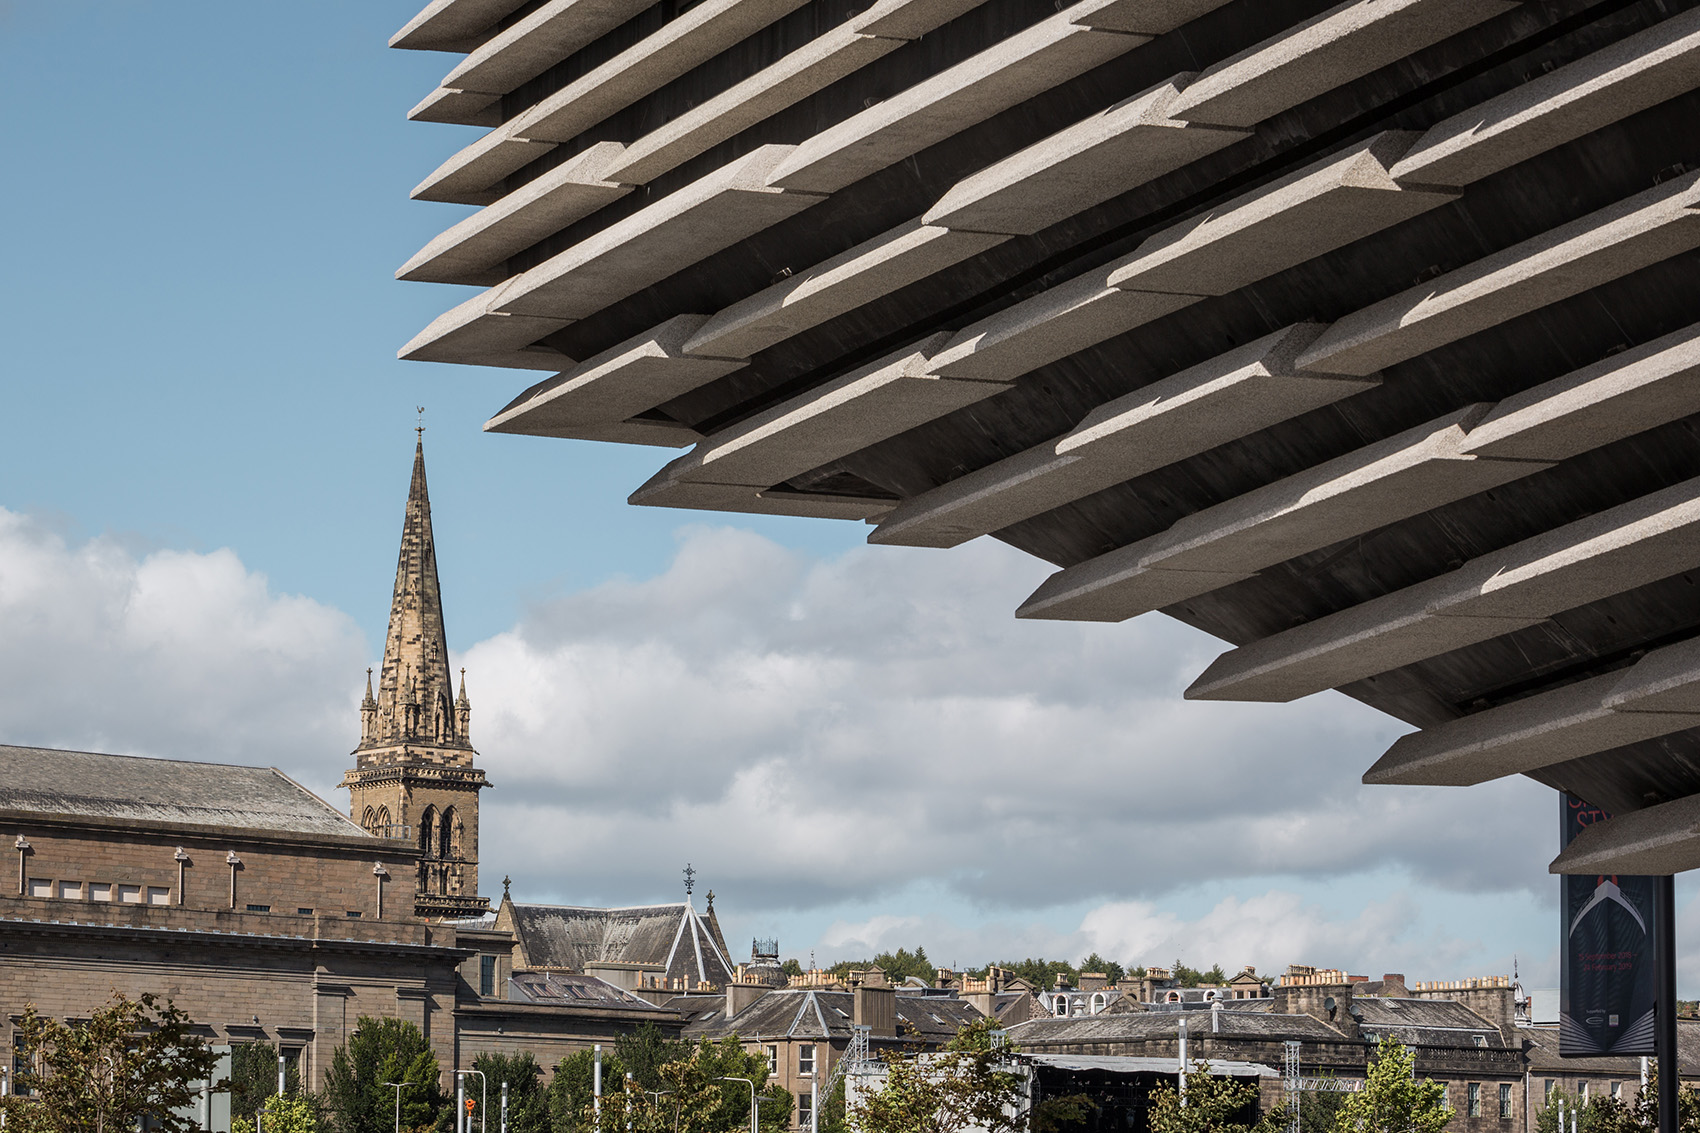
{"points": [[690, 879], [420, 428], [506, 881], [711, 900]]}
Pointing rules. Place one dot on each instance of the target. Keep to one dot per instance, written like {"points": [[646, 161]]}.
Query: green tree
{"points": [[644, 1051], [1212, 1105], [1041, 973], [1610, 1115], [380, 1051], [253, 1077], [289, 1113], [571, 1092], [1394, 1099], [1319, 1110], [833, 1118], [898, 966], [528, 1104], [133, 1057], [1111, 969], [971, 1084], [791, 968]]}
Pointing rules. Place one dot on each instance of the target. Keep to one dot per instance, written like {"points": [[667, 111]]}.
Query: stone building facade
{"points": [[414, 777]]}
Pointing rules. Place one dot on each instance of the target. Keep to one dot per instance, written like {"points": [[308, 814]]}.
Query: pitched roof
{"points": [[564, 988], [86, 784], [1544, 1057], [1427, 1022], [1111, 1026], [809, 1013], [569, 937]]}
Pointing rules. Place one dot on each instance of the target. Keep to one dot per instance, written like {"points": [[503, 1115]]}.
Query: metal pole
{"points": [[460, 1103], [280, 1072], [1183, 1063], [752, 1086], [1664, 1014], [596, 1087], [398, 1088], [814, 1102], [504, 1108]]}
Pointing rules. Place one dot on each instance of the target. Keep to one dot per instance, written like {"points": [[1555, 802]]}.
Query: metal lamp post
{"points": [[728, 1078], [460, 1100], [399, 1086]]}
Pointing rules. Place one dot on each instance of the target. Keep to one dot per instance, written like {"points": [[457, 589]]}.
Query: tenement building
{"points": [[1359, 334]]}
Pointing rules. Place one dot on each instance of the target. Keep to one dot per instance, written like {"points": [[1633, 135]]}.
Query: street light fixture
{"points": [[728, 1078], [399, 1086], [483, 1098]]}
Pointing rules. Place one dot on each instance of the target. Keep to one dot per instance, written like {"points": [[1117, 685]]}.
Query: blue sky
{"points": [[205, 424]]}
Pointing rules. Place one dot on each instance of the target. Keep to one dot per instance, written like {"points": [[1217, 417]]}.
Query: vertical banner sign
{"points": [[1607, 985]]}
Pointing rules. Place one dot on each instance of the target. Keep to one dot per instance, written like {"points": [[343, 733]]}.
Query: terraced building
{"points": [[1364, 336]]}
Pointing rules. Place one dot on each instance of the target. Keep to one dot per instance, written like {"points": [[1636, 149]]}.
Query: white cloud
{"points": [[171, 654], [809, 732]]}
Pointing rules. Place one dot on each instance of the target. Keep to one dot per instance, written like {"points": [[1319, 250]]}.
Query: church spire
{"points": [[415, 690]]}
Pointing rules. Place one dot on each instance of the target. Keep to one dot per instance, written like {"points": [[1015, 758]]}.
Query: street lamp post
{"points": [[399, 1086], [483, 1098], [728, 1078], [504, 1109]]}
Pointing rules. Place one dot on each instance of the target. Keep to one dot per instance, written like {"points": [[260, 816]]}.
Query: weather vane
{"points": [[420, 428], [690, 879]]}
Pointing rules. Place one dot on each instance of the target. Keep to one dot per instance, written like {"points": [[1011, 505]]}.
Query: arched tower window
{"points": [[447, 844], [368, 820], [428, 832], [382, 822]]}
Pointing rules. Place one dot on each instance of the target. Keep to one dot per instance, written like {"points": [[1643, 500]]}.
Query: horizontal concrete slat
{"points": [[1665, 680], [1130, 144], [472, 251], [1525, 735], [1324, 206], [458, 107], [876, 267], [453, 25], [861, 408], [1656, 840], [537, 41], [1617, 397], [691, 39], [1344, 43], [1224, 398], [472, 334], [1642, 70], [675, 232], [1147, 17], [470, 176], [908, 19], [1404, 475], [756, 500], [1604, 245], [1616, 550], [1026, 64], [621, 382]]}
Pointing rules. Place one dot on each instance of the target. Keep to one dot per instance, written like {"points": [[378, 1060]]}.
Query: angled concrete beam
{"points": [[685, 42], [861, 408], [812, 67], [1616, 550], [453, 25], [458, 107], [675, 232], [1131, 143], [1402, 476], [1146, 17], [1611, 84], [756, 500], [1053, 324], [1026, 64], [1605, 245], [537, 41], [603, 392], [1665, 680], [873, 268], [1319, 208], [908, 19], [1616, 397], [1662, 839], [473, 250], [474, 335], [1344, 43], [1230, 396], [470, 177]]}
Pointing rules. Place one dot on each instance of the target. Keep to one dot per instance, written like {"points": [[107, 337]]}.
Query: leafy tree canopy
{"points": [[528, 1103], [132, 1058], [380, 1051], [1096, 963], [791, 967], [253, 1077], [1611, 1115], [694, 1094], [971, 1084], [289, 1113], [1041, 973], [1212, 1105], [898, 966], [1394, 1099]]}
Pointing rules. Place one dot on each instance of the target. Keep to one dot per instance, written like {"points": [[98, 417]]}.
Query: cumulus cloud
{"points": [[808, 732], [170, 653]]}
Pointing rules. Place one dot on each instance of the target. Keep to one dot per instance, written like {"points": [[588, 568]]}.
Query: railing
{"points": [[392, 830]]}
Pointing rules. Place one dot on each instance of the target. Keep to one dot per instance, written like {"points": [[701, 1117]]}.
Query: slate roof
{"points": [[569, 937], [565, 989], [1426, 1022], [85, 784], [1111, 1026], [1544, 1057], [809, 1013]]}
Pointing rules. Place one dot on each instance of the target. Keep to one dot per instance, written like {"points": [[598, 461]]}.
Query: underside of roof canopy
{"points": [[1363, 336]]}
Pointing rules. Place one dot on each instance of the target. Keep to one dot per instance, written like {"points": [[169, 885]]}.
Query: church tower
{"points": [[413, 775]]}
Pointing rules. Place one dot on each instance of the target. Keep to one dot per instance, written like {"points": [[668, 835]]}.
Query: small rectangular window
{"points": [[486, 976], [70, 891], [130, 894], [41, 887], [1551, 1086], [1617, 1091], [303, 912], [259, 908], [1505, 1101], [159, 895], [806, 1059], [804, 1110], [354, 912], [100, 891], [772, 1059], [1473, 1093], [1582, 1094]]}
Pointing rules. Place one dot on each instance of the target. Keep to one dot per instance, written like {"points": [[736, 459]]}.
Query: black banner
{"points": [[1607, 982]]}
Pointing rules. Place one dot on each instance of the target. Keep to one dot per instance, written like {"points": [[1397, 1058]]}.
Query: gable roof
{"points": [[809, 1013], [90, 785], [570, 937]]}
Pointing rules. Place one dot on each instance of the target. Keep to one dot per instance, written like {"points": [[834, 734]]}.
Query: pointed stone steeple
{"points": [[414, 776]]}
